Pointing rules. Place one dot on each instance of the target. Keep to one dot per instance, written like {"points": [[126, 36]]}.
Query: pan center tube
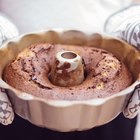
{"points": [[68, 69]]}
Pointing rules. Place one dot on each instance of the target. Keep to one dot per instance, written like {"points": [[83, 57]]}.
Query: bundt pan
{"points": [[68, 115]]}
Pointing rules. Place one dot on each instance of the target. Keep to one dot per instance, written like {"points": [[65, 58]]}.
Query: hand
{"points": [[7, 31], [6, 111], [133, 106], [125, 24]]}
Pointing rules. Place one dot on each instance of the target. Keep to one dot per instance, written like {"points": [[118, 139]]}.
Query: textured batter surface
{"points": [[104, 73]]}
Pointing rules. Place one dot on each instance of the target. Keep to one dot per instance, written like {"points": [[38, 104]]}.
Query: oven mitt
{"points": [[125, 24], [7, 31]]}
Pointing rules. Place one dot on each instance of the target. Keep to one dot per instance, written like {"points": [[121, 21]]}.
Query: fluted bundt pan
{"points": [[65, 115]]}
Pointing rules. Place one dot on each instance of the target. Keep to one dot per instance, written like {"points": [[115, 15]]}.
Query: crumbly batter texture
{"points": [[29, 72]]}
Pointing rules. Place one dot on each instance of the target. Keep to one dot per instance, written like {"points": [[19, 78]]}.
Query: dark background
{"points": [[118, 129]]}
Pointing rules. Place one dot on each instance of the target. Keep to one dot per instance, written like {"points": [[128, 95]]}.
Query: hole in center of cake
{"points": [[69, 55]]}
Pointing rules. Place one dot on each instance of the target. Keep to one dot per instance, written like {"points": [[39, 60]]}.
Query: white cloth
{"points": [[7, 31], [6, 111], [126, 25], [86, 15]]}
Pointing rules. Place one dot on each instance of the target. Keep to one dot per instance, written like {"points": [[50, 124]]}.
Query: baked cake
{"points": [[29, 72]]}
